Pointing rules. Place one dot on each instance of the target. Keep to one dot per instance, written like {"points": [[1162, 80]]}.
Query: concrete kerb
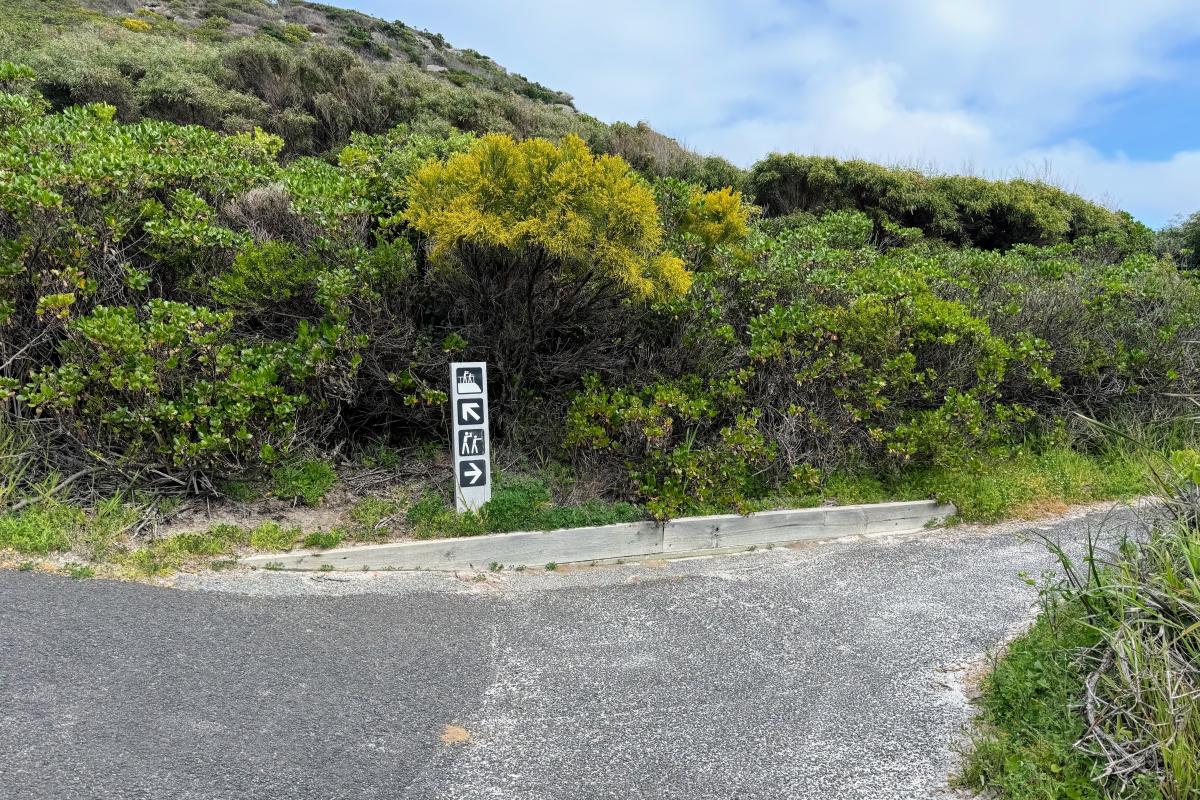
{"points": [[627, 540]]}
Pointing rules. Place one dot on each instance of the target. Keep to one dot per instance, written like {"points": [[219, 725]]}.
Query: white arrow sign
{"points": [[469, 437]]}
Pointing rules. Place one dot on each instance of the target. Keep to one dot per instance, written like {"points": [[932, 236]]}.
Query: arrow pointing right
{"points": [[473, 474]]}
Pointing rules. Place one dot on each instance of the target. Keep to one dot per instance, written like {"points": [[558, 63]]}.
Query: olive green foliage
{"points": [[818, 347], [1181, 241], [196, 307], [175, 297], [549, 250], [961, 209], [314, 75], [658, 156], [311, 74]]}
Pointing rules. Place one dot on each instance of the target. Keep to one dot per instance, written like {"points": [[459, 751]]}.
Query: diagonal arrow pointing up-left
{"points": [[471, 411]]}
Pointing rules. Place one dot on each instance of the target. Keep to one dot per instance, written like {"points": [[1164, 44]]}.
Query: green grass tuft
{"points": [[79, 571], [306, 481], [519, 503], [36, 530], [1029, 721], [1029, 482], [323, 540], [272, 536]]}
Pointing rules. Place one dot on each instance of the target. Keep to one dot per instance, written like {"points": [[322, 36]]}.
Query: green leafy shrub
{"points": [[138, 384], [960, 209], [656, 434]]}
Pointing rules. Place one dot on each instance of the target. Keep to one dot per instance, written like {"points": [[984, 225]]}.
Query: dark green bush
{"points": [[823, 350], [960, 209]]}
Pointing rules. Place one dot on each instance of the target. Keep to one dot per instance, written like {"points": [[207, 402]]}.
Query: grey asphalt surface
{"points": [[831, 671]]}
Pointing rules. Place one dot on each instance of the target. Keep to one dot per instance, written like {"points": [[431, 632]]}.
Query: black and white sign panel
{"points": [[470, 442]]}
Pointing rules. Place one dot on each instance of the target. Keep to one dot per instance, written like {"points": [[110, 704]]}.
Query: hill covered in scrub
{"points": [[239, 237], [310, 73]]}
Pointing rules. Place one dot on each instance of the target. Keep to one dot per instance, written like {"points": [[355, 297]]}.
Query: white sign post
{"points": [[470, 441]]}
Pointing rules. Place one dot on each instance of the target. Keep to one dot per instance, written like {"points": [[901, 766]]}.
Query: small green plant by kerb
{"points": [[303, 481], [79, 571], [272, 536], [323, 540]]}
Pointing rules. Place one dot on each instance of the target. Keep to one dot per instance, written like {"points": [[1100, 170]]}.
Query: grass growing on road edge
{"points": [[1033, 481], [519, 503], [1102, 697], [1037, 480], [1029, 722]]}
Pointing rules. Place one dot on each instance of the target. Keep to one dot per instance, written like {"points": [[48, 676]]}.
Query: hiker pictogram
{"points": [[471, 443]]}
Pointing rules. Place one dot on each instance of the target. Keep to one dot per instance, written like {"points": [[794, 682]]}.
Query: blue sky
{"points": [[1102, 98]]}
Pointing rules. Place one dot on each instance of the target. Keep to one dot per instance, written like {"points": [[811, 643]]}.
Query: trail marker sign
{"points": [[470, 443]]}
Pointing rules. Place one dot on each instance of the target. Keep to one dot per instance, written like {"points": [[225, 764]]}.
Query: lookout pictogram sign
{"points": [[469, 442]]}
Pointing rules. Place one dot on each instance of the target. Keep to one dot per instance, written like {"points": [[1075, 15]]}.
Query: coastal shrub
{"points": [[541, 246], [961, 209]]}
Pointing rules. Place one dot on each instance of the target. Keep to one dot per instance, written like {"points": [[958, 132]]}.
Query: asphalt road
{"points": [[832, 671]]}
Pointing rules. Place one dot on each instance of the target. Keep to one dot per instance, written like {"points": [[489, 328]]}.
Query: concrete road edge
{"points": [[688, 535]]}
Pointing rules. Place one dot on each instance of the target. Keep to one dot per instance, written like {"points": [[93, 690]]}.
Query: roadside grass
{"points": [[1101, 698], [1029, 717], [306, 482], [1027, 483], [51, 526], [323, 540], [373, 518], [519, 503], [1030, 482]]}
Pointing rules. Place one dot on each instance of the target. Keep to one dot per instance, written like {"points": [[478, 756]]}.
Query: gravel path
{"points": [[830, 671]]}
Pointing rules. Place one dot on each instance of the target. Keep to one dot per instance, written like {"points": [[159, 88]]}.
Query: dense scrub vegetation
{"points": [[291, 271], [240, 240], [309, 73], [179, 303]]}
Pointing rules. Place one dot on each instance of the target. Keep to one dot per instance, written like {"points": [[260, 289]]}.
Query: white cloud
{"points": [[985, 84]]}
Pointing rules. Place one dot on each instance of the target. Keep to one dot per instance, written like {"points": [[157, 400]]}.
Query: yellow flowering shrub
{"points": [[588, 214]]}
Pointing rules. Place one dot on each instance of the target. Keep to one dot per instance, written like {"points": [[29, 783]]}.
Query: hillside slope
{"points": [[310, 73]]}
